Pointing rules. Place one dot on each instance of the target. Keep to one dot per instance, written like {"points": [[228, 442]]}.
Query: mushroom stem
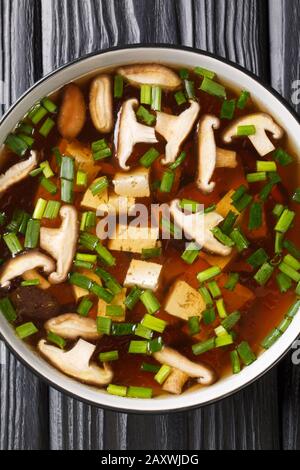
{"points": [[19, 265], [18, 172], [207, 152], [130, 132], [204, 374], [198, 227], [262, 123], [76, 362], [61, 243], [175, 129]]}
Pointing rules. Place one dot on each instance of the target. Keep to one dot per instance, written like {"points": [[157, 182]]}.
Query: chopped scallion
{"points": [[239, 239], [146, 94], [26, 330], [285, 221], [118, 390], [243, 98], [204, 346], [289, 271], [255, 216], [149, 157], [256, 177], [191, 253], [228, 109], [52, 210], [104, 325], [264, 274], [118, 86], [109, 356], [133, 297], [145, 116], [245, 131], [232, 281], [139, 392], [246, 354], [32, 234], [214, 289], [47, 127], [213, 88], [180, 98], [178, 161], [167, 181], [235, 362], [193, 325], [258, 258], [153, 323], [163, 374], [7, 309], [55, 339], [13, 243], [284, 282], [282, 157], [84, 307], [208, 274], [156, 98], [221, 237]]}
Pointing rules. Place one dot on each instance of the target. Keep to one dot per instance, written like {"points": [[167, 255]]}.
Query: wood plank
{"points": [[23, 398], [236, 30], [285, 78]]}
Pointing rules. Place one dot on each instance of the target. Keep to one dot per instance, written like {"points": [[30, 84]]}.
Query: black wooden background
{"points": [[37, 36]]}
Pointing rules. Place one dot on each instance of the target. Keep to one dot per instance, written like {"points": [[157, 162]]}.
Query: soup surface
{"points": [[149, 222]]}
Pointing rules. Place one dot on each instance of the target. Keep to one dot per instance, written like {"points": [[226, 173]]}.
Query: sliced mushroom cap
{"points": [[262, 122], [204, 374], [18, 172], [207, 152], [150, 74], [73, 326], [76, 362], [130, 132], [198, 227], [175, 129], [61, 243], [175, 382], [20, 264], [101, 104], [72, 112]]}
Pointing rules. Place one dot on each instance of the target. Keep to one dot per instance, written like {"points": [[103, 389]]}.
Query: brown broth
{"points": [[258, 316]]}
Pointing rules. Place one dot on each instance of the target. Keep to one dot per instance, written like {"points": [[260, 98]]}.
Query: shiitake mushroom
{"points": [[34, 303]]}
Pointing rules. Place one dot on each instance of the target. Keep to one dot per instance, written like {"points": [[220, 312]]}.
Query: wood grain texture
{"points": [[39, 37], [23, 398], [285, 78]]}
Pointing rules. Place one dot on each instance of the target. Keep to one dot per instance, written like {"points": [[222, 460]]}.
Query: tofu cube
{"points": [[117, 204], [184, 301], [93, 202], [83, 158], [143, 274], [119, 299], [133, 184], [133, 239]]}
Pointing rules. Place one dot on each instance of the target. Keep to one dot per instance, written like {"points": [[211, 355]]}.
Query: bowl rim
{"points": [[25, 362]]}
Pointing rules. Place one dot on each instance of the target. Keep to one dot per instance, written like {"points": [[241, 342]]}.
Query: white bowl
{"points": [[237, 78]]}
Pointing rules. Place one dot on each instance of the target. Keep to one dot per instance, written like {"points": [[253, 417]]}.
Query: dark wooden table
{"points": [[36, 37]]}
